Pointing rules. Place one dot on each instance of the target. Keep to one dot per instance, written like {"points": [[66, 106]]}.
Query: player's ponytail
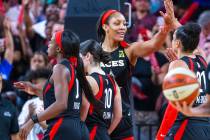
{"points": [[69, 45], [84, 83]]}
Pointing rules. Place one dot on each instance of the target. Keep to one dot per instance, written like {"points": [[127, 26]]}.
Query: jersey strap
{"points": [[113, 83]]}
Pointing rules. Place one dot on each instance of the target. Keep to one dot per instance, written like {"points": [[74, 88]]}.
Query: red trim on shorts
{"points": [[101, 88], [203, 61], [129, 138], [93, 132], [55, 128], [180, 131], [47, 88], [71, 83], [113, 83], [167, 122]]}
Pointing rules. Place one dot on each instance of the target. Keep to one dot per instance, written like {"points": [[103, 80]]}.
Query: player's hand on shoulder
{"points": [[171, 54]]}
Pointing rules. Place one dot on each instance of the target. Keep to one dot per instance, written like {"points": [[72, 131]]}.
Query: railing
{"points": [[152, 129]]}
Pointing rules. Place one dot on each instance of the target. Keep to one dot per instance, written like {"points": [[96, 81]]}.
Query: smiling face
{"points": [[116, 27]]}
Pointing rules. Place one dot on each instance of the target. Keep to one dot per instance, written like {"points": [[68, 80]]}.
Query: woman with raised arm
{"points": [[101, 119], [111, 29]]}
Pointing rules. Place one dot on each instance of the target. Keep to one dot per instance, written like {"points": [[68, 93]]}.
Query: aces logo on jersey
{"points": [[121, 54]]}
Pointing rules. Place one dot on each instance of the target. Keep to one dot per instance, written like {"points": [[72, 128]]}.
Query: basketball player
{"points": [[62, 92], [111, 29], [100, 120], [199, 111], [185, 41]]}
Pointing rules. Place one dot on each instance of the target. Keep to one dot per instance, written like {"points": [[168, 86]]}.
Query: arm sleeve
{"points": [[14, 128], [6, 69]]}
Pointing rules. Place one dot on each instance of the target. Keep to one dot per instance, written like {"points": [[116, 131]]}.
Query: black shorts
{"points": [[124, 129], [66, 128], [98, 133], [193, 131]]}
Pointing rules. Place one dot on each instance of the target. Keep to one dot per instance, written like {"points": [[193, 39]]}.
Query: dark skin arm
{"points": [[59, 77]]}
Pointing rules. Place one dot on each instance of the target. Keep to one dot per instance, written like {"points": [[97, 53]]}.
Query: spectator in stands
{"points": [[35, 105], [147, 87], [204, 21], [8, 116], [6, 48], [206, 49], [141, 18], [38, 61]]}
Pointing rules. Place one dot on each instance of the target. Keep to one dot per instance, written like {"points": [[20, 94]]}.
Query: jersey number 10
{"points": [[108, 97]]}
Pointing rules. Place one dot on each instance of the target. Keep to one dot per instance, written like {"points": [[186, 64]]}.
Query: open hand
{"points": [[26, 87]]}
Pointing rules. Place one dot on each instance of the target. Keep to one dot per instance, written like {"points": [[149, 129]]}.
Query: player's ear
{"points": [[105, 27], [178, 44]]}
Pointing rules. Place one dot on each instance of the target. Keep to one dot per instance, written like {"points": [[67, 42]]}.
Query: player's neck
{"points": [[109, 45], [59, 57], [189, 54], [95, 69]]}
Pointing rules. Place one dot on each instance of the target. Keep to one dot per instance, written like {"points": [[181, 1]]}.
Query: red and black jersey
{"points": [[74, 98], [121, 68], [101, 114], [175, 121], [198, 65]]}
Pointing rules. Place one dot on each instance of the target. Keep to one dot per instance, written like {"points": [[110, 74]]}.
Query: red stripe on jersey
{"points": [[180, 132], [47, 88], [99, 94], [93, 133], [71, 83], [191, 64], [55, 128], [113, 83], [203, 61], [91, 109], [101, 88], [129, 138], [167, 122]]}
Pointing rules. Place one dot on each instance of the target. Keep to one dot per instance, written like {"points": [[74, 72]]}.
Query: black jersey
{"points": [[74, 98], [198, 65], [101, 115], [121, 68], [208, 78]]}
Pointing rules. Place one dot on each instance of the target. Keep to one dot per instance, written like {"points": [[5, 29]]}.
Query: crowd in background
{"points": [[27, 26]]}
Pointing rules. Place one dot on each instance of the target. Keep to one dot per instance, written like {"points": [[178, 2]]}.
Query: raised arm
{"points": [[141, 49], [9, 52]]}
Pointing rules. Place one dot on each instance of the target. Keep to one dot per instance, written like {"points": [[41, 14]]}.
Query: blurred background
{"points": [[27, 26]]}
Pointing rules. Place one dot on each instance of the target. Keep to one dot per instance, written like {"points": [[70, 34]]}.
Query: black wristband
{"points": [[34, 118]]}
